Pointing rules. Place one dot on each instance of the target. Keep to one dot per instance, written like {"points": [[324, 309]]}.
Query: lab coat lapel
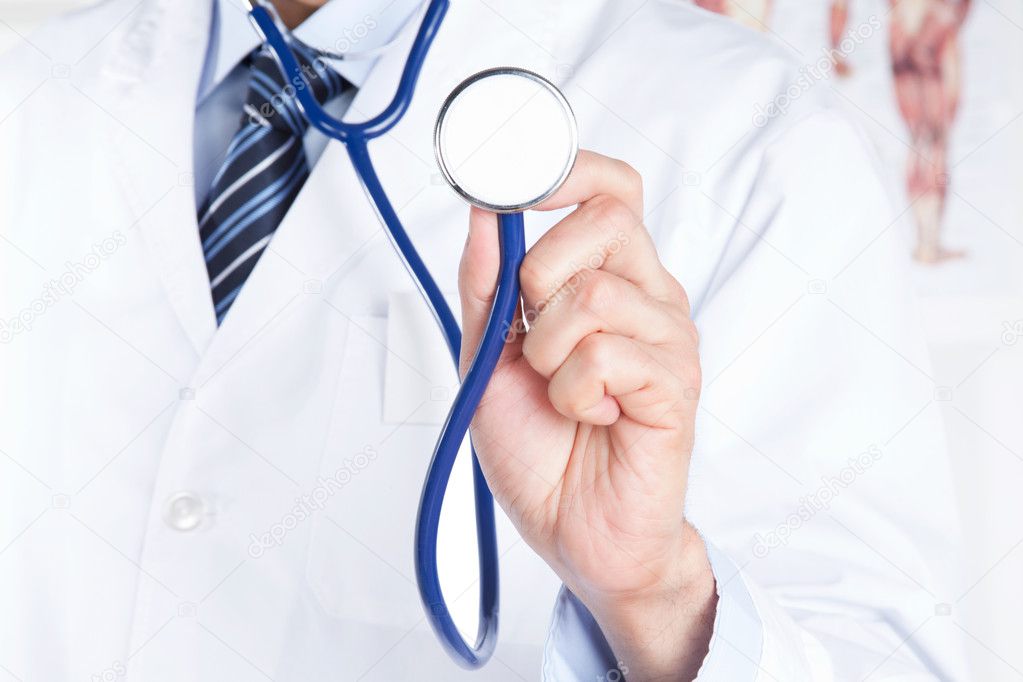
{"points": [[332, 223], [151, 81], [332, 218]]}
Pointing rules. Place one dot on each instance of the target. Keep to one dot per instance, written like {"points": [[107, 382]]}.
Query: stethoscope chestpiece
{"points": [[506, 139]]}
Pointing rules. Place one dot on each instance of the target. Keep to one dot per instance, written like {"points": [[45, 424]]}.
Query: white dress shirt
{"points": [[361, 27]]}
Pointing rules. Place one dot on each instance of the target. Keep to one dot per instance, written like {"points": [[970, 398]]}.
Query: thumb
{"points": [[477, 279]]}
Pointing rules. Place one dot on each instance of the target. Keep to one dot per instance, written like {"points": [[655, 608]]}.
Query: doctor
{"points": [[208, 482]]}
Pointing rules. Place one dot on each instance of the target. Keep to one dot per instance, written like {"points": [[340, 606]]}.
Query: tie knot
{"points": [[271, 99]]}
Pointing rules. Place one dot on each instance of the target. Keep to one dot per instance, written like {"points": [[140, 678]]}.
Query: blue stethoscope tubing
{"points": [[355, 137]]}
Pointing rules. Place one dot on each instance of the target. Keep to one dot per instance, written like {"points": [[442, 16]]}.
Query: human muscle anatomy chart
{"points": [[837, 24], [925, 62], [926, 65], [752, 13]]}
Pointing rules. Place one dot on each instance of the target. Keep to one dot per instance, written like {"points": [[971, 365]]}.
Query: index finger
{"points": [[605, 232], [594, 175]]}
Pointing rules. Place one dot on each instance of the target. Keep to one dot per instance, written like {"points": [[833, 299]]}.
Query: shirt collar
{"points": [[345, 25]]}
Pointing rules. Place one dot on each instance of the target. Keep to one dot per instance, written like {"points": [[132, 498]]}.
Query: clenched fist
{"points": [[586, 429]]}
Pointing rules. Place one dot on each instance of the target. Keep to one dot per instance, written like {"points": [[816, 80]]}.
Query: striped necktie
{"points": [[263, 170]]}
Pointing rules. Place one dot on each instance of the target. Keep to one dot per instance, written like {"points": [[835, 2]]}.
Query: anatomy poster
{"points": [[933, 83]]}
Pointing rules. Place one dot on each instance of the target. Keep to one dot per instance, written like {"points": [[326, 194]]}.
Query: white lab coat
{"points": [[120, 394]]}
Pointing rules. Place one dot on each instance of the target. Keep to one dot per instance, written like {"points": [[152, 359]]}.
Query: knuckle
{"points": [[596, 353], [532, 278], [631, 178], [616, 213], [569, 400], [690, 375], [529, 347], [533, 351], [681, 295], [596, 293], [563, 400], [676, 298], [690, 332], [540, 354]]}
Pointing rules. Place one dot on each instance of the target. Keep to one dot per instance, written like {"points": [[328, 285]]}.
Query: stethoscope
{"points": [[505, 141]]}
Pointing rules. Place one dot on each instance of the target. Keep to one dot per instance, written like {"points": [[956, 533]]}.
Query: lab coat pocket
{"points": [[394, 390], [420, 379], [397, 382]]}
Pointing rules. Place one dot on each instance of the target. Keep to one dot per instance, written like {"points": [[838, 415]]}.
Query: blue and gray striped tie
{"points": [[264, 168]]}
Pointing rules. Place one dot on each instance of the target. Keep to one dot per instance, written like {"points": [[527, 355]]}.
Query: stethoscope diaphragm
{"points": [[506, 139]]}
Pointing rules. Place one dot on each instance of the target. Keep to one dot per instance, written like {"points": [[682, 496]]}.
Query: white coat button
{"points": [[184, 511]]}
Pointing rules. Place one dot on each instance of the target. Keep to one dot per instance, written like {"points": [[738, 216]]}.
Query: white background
{"points": [[968, 305]]}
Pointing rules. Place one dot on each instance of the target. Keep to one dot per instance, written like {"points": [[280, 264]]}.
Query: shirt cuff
{"points": [[576, 649]]}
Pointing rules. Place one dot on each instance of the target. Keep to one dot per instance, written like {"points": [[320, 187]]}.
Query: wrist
{"points": [[663, 630]]}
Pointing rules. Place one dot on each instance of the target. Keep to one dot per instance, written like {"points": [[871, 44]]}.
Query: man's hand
{"points": [[586, 429]]}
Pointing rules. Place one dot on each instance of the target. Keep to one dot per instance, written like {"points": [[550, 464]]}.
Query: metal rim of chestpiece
{"points": [[569, 117]]}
